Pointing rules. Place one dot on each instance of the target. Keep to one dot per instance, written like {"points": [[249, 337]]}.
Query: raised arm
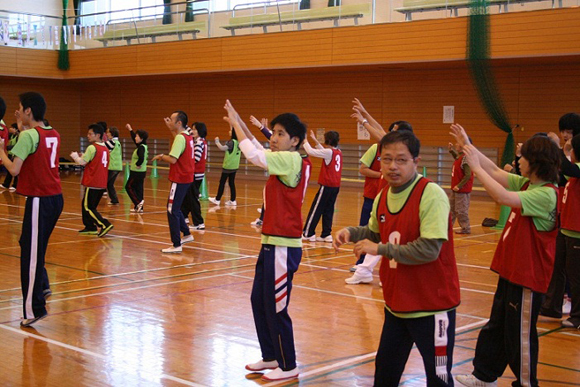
{"points": [[376, 133], [486, 164], [219, 145], [358, 106]]}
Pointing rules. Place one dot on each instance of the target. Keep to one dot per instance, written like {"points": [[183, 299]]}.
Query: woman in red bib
{"points": [[510, 336]]}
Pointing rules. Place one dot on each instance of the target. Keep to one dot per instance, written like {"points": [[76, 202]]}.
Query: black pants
{"points": [[510, 336], [322, 205], [566, 267], [91, 217], [40, 217], [231, 178], [191, 203], [134, 186], [174, 215], [111, 186], [435, 338]]}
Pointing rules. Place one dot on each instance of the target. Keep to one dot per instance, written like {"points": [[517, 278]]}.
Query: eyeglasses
{"points": [[398, 161]]}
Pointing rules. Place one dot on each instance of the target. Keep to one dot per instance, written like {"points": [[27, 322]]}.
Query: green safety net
{"points": [[482, 74], [63, 62]]}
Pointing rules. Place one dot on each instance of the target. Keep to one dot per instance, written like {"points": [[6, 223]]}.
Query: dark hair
{"points": [[97, 129], [201, 129], [404, 136], [36, 103], [543, 155], [2, 108], [181, 117], [331, 138], [401, 125], [114, 131], [103, 124], [570, 121], [143, 134], [15, 126], [234, 135], [576, 147], [292, 125], [45, 123]]}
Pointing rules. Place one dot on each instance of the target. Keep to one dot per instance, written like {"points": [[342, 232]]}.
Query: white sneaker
{"points": [[231, 203], [259, 210], [2, 186], [11, 189], [311, 238], [198, 227], [262, 365], [187, 239], [567, 306], [258, 222], [278, 374], [139, 207], [359, 279], [472, 381], [186, 220], [216, 202], [172, 249], [327, 239]]}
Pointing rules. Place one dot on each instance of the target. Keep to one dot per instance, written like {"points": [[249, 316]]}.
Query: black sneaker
{"points": [[105, 230], [29, 321], [86, 231]]}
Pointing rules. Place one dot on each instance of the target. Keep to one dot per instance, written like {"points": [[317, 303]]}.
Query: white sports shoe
{"points": [[11, 189], [216, 202], [231, 203], [278, 374], [311, 238], [198, 227], [258, 223], [259, 210], [327, 239], [567, 306], [262, 365], [172, 249], [187, 239], [472, 381], [359, 279]]}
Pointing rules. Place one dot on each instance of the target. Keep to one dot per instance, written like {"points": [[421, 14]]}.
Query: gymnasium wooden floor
{"points": [[123, 314]]}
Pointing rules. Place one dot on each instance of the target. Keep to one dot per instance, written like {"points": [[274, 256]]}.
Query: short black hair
{"points": [[143, 134], [201, 129], [331, 138], [2, 108], [182, 117], [404, 136], [570, 121], [576, 147], [401, 125], [234, 135], [46, 123], [35, 101], [114, 131], [292, 125], [97, 129], [103, 124], [543, 155]]}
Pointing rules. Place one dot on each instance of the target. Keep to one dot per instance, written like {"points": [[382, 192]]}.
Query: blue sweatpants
{"points": [[270, 299], [174, 215]]}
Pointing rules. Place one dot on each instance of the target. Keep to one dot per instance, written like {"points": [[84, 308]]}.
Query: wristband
{"points": [[365, 121]]}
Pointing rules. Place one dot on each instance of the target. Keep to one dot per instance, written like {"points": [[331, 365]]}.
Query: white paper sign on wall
{"points": [[448, 114]]}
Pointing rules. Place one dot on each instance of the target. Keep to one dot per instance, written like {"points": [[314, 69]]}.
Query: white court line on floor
{"points": [[125, 368]]}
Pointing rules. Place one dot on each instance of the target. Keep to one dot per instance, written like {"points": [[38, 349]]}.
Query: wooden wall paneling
{"points": [[176, 57], [37, 63], [63, 108], [277, 50], [102, 62], [8, 63], [547, 92], [101, 101]]}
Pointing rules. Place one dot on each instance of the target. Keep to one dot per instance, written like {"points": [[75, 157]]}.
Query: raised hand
{"points": [[255, 122], [129, 128], [358, 106], [471, 156], [458, 132]]}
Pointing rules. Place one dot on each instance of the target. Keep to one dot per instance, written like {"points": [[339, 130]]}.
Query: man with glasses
{"points": [[409, 227]]}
